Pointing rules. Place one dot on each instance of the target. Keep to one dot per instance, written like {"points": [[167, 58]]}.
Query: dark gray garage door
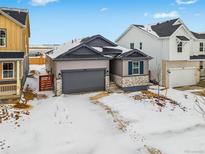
{"points": [[75, 81]]}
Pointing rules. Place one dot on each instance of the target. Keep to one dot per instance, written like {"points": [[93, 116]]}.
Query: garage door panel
{"points": [[182, 77], [83, 81]]}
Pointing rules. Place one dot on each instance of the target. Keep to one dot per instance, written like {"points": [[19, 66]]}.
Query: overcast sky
{"points": [[58, 21]]}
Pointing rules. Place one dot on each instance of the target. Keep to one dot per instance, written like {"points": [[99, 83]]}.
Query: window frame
{"points": [[135, 67], [201, 65], [3, 29], [201, 48], [13, 77], [180, 46], [141, 46], [132, 45]]}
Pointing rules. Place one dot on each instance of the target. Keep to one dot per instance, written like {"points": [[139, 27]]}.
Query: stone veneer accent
{"points": [[58, 87], [131, 81], [107, 82]]}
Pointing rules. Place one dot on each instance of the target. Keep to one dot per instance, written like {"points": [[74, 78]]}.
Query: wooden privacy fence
{"points": [[40, 60], [46, 83]]}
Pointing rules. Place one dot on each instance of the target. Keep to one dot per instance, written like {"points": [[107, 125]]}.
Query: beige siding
{"points": [[86, 64], [125, 67], [116, 67], [14, 33]]}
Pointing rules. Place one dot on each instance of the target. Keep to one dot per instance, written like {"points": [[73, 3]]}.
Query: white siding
{"points": [[196, 45], [185, 54], [152, 46]]}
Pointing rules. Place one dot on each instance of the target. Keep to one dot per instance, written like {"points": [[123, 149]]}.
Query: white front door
{"points": [[182, 77]]}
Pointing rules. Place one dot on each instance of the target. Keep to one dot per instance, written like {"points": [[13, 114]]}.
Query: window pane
{"points": [[136, 71], [135, 64], [8, 66], [8, 70], [2, 37], [132, 45]]}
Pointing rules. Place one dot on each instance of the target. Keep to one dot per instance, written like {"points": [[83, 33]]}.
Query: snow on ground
{"points": [[172, 130], [69, 124]]}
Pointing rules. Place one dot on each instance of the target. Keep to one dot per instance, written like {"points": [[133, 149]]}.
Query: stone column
{"points": [[107, 82], [58, 87]]}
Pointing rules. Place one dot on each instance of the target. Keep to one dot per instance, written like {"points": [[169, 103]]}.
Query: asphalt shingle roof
{"points": [[19, 15], [166, 28], [199, 35]]}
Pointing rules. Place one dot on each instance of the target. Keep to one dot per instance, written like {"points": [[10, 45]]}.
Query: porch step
{"points": [[114, 88]]}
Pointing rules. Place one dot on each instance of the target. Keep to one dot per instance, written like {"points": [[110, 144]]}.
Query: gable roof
{"points": [[199, 35], [163, 29], [89, 39], [134, 54], [18, 15], [69, 54], [166, 29], [73, 45]]}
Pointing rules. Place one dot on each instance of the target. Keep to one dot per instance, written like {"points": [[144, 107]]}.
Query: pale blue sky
{"points": [[57, 21]]}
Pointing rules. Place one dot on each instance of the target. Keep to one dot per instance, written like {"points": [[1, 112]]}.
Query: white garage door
{"points": [[182, 77]]}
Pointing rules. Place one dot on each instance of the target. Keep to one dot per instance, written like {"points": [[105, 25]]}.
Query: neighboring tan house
{"points": [[88, 64], [37, 53], [14, 47], [177, 52]]}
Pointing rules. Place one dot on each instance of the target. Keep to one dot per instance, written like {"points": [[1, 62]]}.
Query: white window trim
{"points": [[3, 71], [181, 47], [136, 68], [5, 38]]}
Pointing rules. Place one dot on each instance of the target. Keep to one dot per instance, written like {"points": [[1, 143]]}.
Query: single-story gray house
{"points": [[89, 64]]}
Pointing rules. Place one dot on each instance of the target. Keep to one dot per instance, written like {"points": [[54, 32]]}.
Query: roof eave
{"points": [[11, 18], [80, 59]]}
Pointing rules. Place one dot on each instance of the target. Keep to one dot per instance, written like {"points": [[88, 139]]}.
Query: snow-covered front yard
{"points": [[73, 124], [172, 129]]}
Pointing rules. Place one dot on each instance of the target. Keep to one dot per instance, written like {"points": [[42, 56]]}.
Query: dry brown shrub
{"points": [[22, 106], [41, 96]]}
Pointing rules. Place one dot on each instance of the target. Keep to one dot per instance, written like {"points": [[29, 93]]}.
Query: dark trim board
{"points": [[135, 88], [8, 82], [81, 70]]}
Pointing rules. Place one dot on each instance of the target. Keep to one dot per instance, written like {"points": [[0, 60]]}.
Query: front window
{"points": [[135, 67], [179, 47], [2, 38], [140, 45], [201, 47], [132, 45], [201, 65], [8, 70]]}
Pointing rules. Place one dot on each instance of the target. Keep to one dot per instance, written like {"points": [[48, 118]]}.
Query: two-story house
{"points": [[177, 52], [14, 47]]}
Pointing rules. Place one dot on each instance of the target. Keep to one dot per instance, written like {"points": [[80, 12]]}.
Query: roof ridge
{"points": [[166, 21], [14, 9]]}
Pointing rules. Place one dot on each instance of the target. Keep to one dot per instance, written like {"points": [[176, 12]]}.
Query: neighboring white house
{"points": [[177, 52]]}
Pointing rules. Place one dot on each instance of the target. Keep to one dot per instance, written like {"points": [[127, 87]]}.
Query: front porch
{"points": [[11, 74]]}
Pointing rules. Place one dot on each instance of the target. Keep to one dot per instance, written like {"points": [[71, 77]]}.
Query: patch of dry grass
{"points": [[159, 100], [22, 106], [98, 96], [152, 150], [200, 93]]}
